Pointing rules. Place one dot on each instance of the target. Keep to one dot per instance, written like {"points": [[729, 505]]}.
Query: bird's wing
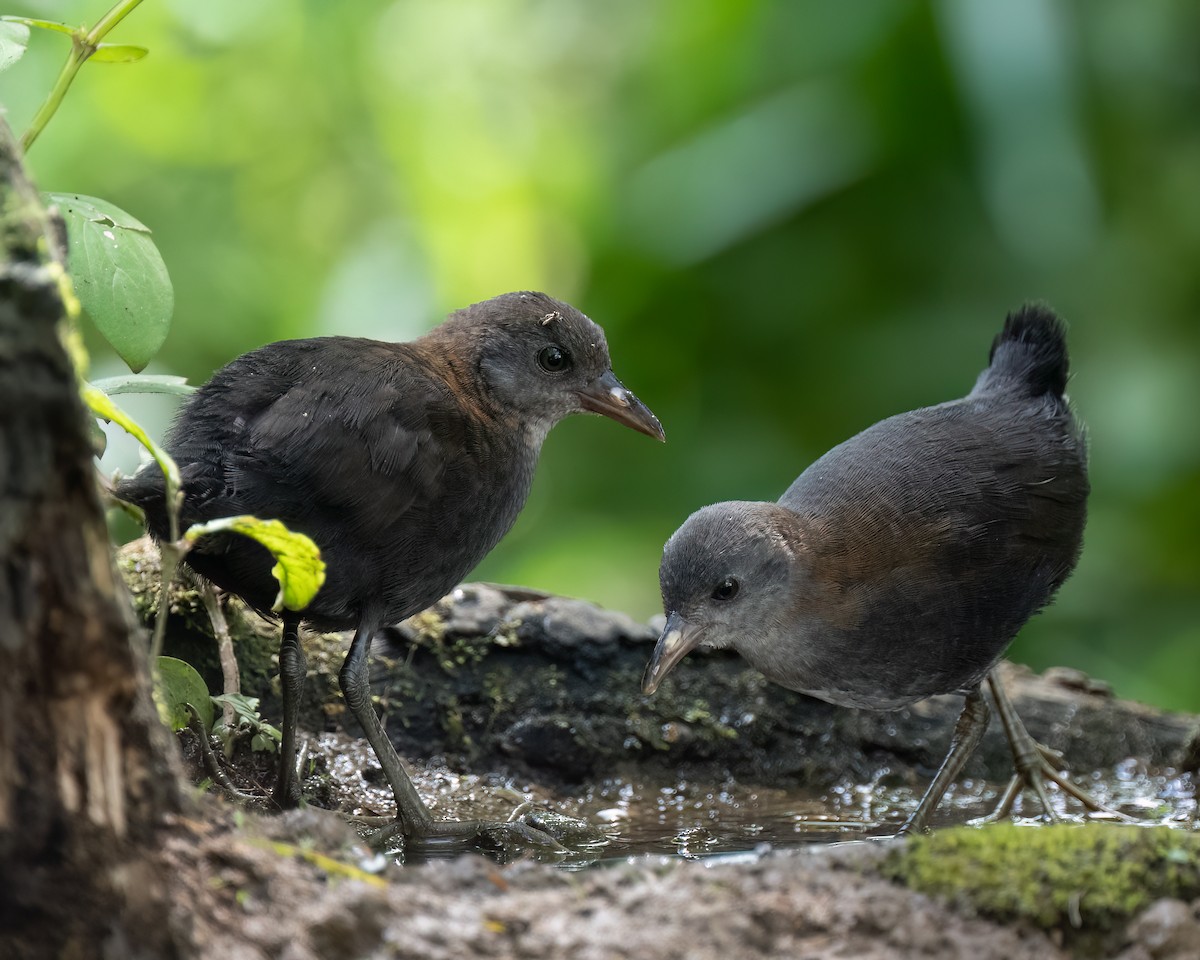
{"points": [[280, 438], [953, 486]]}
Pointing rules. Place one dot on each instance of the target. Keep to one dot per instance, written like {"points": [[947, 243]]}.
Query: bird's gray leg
{"points": [[411, 811], [413, 819], [292, 671], [968, 731], [1034, 762]]}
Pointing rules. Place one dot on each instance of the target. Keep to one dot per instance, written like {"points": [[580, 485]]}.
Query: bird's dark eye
{"points": [[554, 359], [727, 589]]}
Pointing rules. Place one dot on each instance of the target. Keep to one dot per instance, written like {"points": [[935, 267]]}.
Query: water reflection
{"points": [[697, 820]]}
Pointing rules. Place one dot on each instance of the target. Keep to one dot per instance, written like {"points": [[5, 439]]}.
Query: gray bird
{"points": [[405, 463], [902, 563]]}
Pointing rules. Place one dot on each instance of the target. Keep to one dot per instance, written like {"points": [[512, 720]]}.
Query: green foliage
{"points": [[247, 722], [298, 568], [179, 685], [1061, 875], [14, 38], [118, 275]]}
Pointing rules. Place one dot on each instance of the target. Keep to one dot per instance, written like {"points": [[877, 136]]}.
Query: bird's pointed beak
{"points": [[679, 638], [608, 397]]}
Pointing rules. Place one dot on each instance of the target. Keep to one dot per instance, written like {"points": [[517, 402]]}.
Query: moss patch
{"points": [[1056, 876]]}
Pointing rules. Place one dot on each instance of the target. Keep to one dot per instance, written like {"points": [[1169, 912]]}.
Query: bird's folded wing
{"points": [[363, 450]]}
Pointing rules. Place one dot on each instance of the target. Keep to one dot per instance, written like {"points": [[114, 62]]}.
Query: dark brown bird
{"points": [[405, 463], [902, 563]]}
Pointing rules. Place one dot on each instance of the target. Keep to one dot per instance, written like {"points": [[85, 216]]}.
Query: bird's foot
{"points": [[1036, 766], [503, 839], [1035, 770], [566, 831], [529, 831]]}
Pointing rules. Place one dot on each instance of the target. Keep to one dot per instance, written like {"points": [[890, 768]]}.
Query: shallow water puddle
{"points": [[700, 820]]}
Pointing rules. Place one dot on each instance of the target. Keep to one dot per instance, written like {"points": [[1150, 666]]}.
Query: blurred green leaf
{"points": [[299, 567], [144, 383], [118, 53], [14, 38], [98, 438], [43, 24], [119, 276], [179, 685]]}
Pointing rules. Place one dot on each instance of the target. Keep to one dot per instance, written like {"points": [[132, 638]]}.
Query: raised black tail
{"points": [[1029, 354], [146, 489]]}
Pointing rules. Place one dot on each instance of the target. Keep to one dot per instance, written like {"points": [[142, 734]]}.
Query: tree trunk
{"points": [[86, 769]]}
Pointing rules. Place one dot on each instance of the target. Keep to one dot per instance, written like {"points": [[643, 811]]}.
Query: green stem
{"points": [[114, 16], [173, 548], [50, 106], [82, 47]]}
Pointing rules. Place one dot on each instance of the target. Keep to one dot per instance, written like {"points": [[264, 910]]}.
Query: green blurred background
{"points": [[792, 218]]}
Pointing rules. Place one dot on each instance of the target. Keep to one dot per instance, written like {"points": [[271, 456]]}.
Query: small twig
{"points": [[169, 554], [231, 679], [168, 562], [211, 766]]}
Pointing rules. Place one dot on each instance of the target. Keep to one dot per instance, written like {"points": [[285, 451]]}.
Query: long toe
{"points": [[503, 841], [570, 832], [1042, 769], [1047, 771]]}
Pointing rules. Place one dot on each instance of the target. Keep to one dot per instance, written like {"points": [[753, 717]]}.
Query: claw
{"points": [[1036, 765]]}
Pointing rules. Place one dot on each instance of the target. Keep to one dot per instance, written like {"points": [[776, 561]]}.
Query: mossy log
{"points": [[498, 678]]}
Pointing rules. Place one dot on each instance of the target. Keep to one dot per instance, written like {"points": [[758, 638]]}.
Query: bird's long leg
{"points": [[411, 811], [1035, 763], [413, 819], [968, 731], [292, 670]]}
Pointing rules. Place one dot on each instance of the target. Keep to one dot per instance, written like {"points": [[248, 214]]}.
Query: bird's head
{"points": [[728, 578], [544, 360]]}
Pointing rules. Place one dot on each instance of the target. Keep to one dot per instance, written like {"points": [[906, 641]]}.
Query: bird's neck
{"points": [[455, 360]]}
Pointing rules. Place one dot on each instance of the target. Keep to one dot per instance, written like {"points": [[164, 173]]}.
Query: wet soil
{"points": [[300, 886]]}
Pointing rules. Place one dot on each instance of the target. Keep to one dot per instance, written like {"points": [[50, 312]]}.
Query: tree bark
{"points": [[87, 771]]}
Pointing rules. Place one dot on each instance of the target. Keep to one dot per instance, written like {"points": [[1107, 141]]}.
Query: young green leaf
{"points": [[144, 383], [298, 568], [46, 25], [119, 276], [180, 684], [118, 53], [14, 38], [246, 719], [103, 407]]}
